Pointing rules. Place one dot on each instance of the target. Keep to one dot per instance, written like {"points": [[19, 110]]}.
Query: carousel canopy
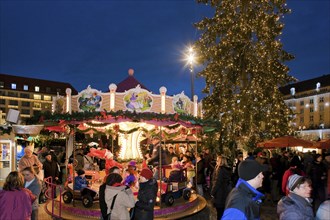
{"points": [[110, 122]]}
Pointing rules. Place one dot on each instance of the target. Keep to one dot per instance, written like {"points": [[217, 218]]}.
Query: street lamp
{"points": [[191, 60]]}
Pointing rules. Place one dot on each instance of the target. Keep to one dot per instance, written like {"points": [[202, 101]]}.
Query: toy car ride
{"points": [[174, 186]]}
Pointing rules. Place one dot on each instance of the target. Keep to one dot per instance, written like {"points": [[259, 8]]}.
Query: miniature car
{"points": [[87, 195], [172, 189]]}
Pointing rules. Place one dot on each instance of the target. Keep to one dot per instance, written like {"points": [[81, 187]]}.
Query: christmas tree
{"points": [[244, 64]]}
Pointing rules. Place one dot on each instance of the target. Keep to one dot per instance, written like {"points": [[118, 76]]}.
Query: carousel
{"points": [[128, 115]]}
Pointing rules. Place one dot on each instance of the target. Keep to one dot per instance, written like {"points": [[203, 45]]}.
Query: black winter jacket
{"points": [[144, 207]]}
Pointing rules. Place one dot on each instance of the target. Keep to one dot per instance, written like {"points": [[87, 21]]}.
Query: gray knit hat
{"points": [[294, 181]]}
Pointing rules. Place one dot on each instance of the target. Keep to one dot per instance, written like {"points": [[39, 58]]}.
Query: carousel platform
{"points": [[180, 209]]}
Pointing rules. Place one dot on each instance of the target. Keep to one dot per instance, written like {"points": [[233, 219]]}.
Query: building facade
{"points": [[28, 95], [310, 102]]}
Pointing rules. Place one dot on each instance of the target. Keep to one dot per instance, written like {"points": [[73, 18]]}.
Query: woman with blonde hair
{"points": [[221, 184], [15, 200]]}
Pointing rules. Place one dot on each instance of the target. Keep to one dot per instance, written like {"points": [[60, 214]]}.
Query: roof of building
{"points": [[306, 85], [129, 83], [32, 82]]}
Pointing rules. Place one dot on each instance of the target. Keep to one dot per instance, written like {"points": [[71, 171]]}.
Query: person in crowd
{"points": [[176, 174], [297, 204], [317, 172], [326, 163], [15, 200], [122, 195], [187, 164], [323, 212], [88, 161], [171, 152], [295, 168], [221, 184], [51, 170], [180, 157], [275, 177], [239, 159], [50, 167], [207, 166], [131, 176], [80, 159], [32, 183], [154, 160], [146, 199], [80, 181], [250, 156], [29, 160], [200, 174], [244, 201]]}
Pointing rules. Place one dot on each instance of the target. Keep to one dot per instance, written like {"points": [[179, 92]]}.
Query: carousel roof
{"points": [[129, 83]]}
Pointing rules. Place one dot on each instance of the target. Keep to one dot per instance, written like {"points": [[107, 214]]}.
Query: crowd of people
{"points": [[296, 182]]}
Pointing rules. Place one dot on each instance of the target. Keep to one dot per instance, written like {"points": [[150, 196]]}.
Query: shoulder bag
{"points": [[112, 204]]}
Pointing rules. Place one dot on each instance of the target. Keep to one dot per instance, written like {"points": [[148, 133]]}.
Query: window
{"points": [[48, 106], [311, 118], [37, 89], [13, 102], [2, 84], [58, 90], [25, 95], [25, 111], [37, 97], [47, 98], [311, 109], [301, 119], [302, 103], [26, 87], [301, 111], [311, 101], [13, 94], [321, 99], [2, 101], [2, 92], [37, 105], [25, 104], [13, 86], [48, 89]]}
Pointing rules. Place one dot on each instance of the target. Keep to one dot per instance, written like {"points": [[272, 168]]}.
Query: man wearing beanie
{"points": [[297, 204], [243, 202], [144, 207]]}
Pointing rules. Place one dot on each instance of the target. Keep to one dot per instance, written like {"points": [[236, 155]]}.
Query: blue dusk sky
{"points": [[96, 42]]}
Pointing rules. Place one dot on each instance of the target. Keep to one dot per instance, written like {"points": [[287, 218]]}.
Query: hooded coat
{"points": [[294, 206], [124, 200], [144, 207]]}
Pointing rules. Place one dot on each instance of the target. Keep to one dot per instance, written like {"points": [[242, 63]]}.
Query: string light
{"points": [[244, 61]]}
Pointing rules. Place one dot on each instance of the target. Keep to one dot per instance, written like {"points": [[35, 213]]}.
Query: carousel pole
{"points": [[160, 168], [73, 162], [196, 151]]}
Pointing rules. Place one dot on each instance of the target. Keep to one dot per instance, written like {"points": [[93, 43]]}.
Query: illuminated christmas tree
{"points": [[244, 61]]}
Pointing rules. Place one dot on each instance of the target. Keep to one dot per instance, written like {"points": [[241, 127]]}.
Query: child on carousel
{"points": [[131, 176], [80, 181]]}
